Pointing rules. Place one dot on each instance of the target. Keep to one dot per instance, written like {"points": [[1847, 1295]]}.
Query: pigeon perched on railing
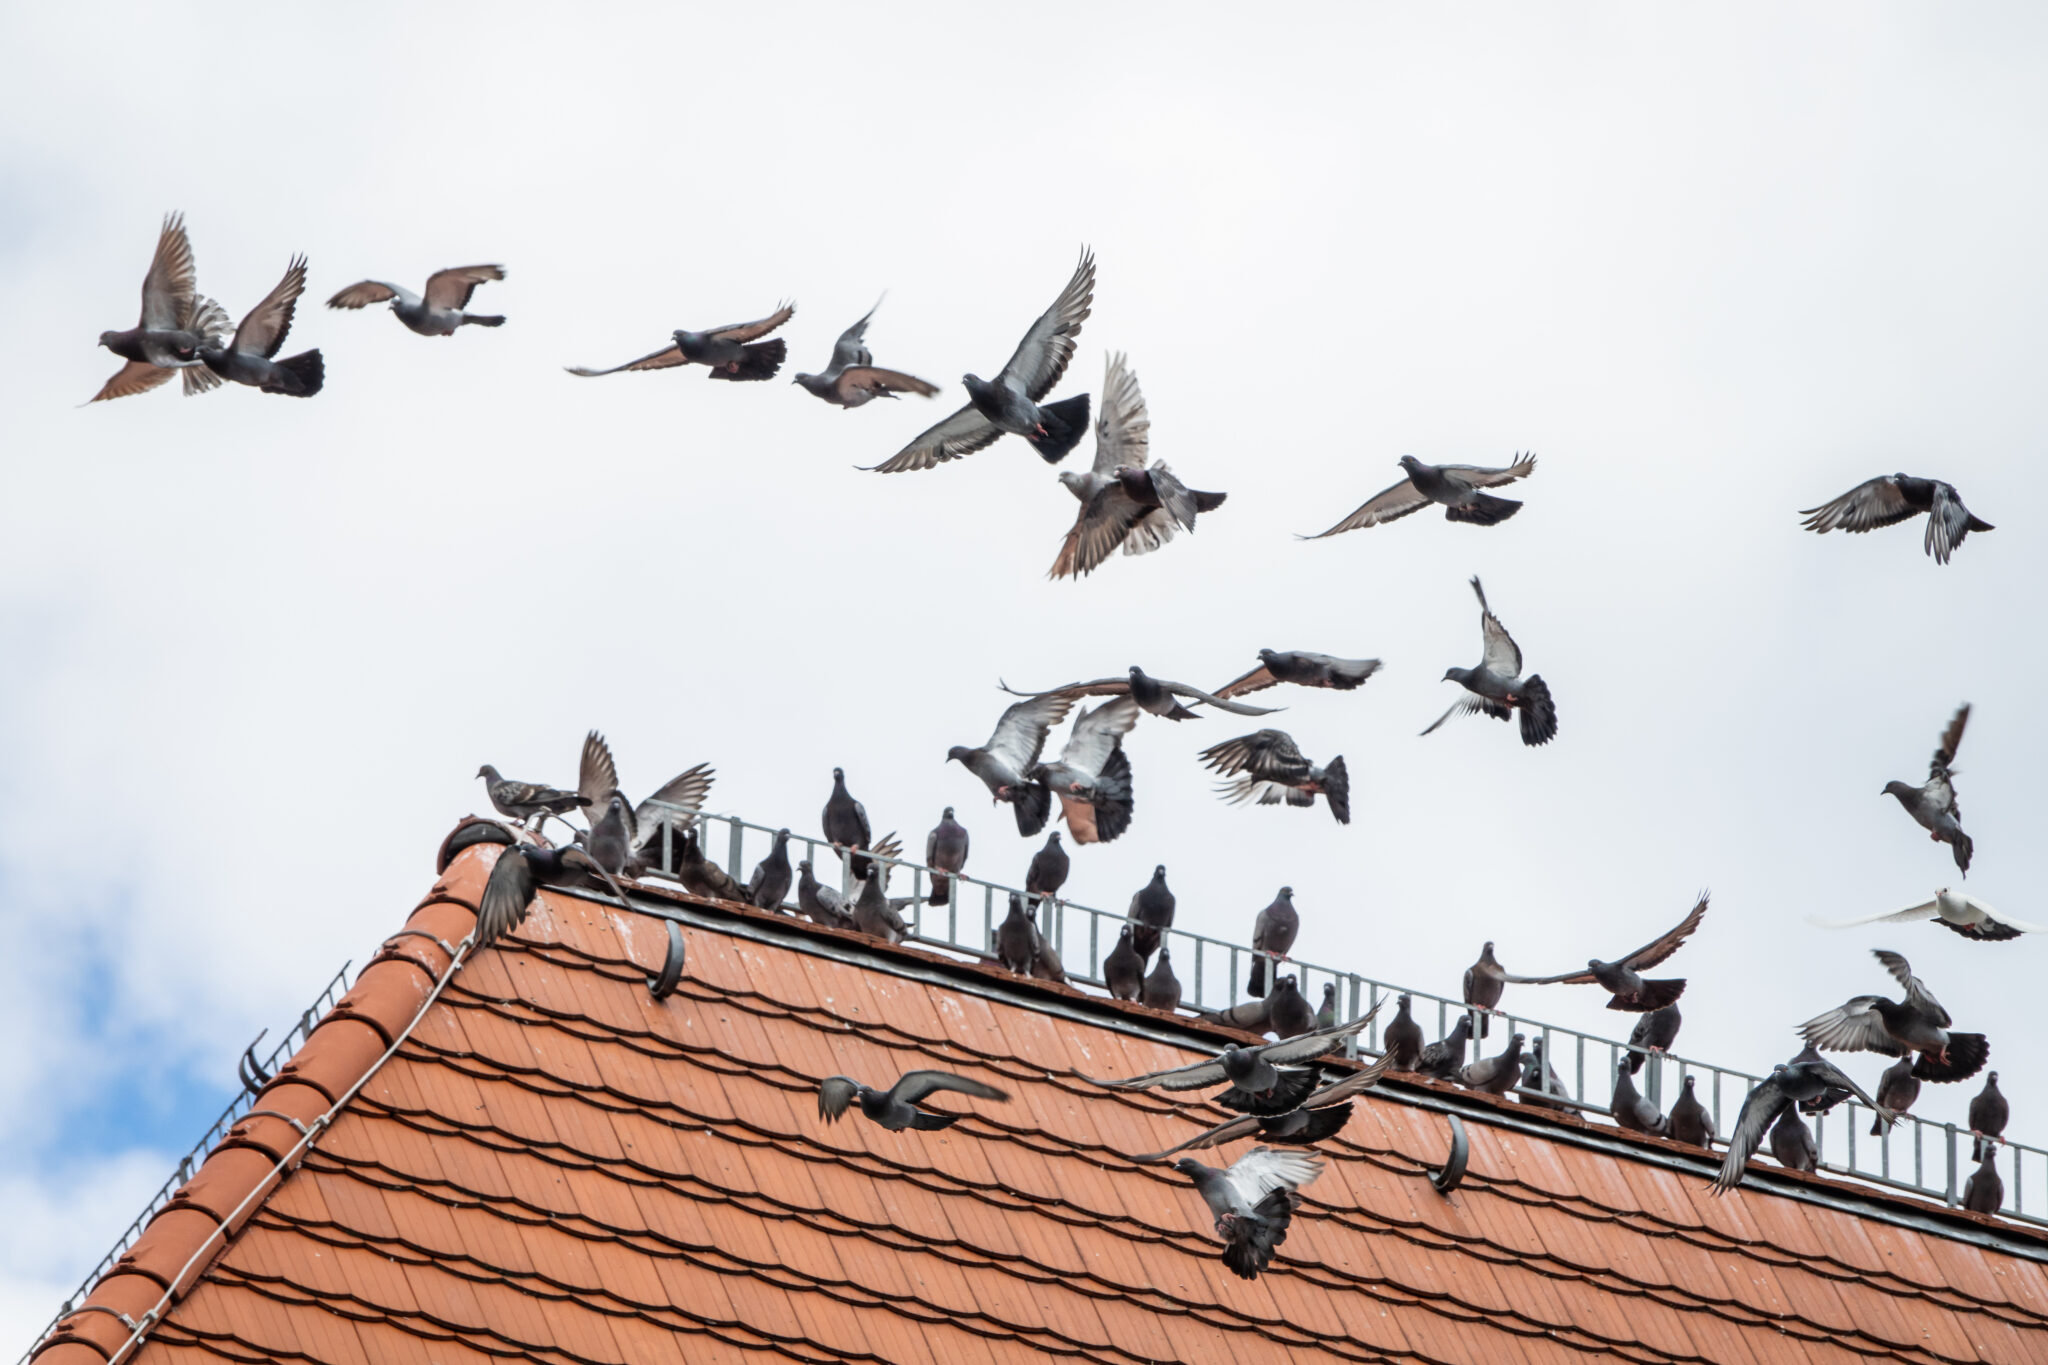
{"points": [[1273, 932], [1161, 990], [853, 378], [1498, 1074], [1893, 498], [1123, 969], [1013, 401], [1918, 1024], [1268, 769], [1158, 696], [1984, 1191], [1453, 487], [176, 321], [1485, 983], [1631, 1109], [1897, 1088], [1689, 1120], [1654, 1032], [249, 357], [522, 801], [1303, 670], [769, 886], [1253, 1200], [1006, 763], [1773, 1106], [1092, 778], [1048, 870], [1152, 911], [1622, 977], [1988, 1114], [437, 313], [1956, 910], [945, 850], [1933, 803], [1402, 1038], [898, 1107], [1497, 686], [845, 822], [734, 351]]}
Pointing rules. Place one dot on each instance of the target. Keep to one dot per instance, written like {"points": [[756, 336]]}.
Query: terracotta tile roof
{"points": [[555, 1166]]}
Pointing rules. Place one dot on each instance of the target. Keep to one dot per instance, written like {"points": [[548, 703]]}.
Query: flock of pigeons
{"points": [[1131, 502]]}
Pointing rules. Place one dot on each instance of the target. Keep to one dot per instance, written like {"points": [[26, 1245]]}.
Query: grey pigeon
{"points": [[1830, 1094], [1013, 401], [769, 886], [1984, 1191], [1007, 764], [250, 357], [1303, 670], [734, 351], [702, 877], [1017, 939], [819, 902], [1918, 1024], [1988, 1115], [897, 1108], [438, 312], [1288, 1013], [853, 378], [1807, 1080], [875, 914], [1539, 1077], [1443, 1059], [1485, 981], [1497, 686], [1303, 1127], [1048, 870], [1654, 1032], [1893, 498], [1253, 1201], [1792, 1143], [1897, 1088], [1954, 910], [1272, 933], [610, 841], [845, 822], [1933, 803], [1157, 696], [176, 321], [1092, 778], [1152, 911], [945, 850], [1267, 1079], [1453, 487], [1161, 990], [1498, 1074], [515, 880], [1689, 1121], [1326, 1013], [674, 805], [1123, 971], [1402, 1040], [1631, 1109], [1124, 501], [1623, 978], [1045, 959], [522, 801], [1268, 768]]}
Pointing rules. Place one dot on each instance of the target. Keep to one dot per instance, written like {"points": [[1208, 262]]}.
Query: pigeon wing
{"points": [[1020, 733], [363, 293], [875, 380], [1042, 356], [686, 790], [1102, 524], [1951, 740], [451, 288], [754, 331], [1947, 520], [914, 1086], [667, 358], [1916, 990], [507, 895], [848, 351], [597, 777], [1269, 755], [1988, 913], [1760, 1109], [1854, 1026], [1150, 531], [1194, 1076], [1501, 655], [1123, 431], [962, 433], [1667, 943], [1097, 733], [1236, 708], [1230, 1130], [1262, 1170], [1472, 704], [1869, 505], [1258, 680], [267, 324], [1481, 476], [1917, 912], [172, 277], [1389, 505], [835, 1094], [137, 376]]}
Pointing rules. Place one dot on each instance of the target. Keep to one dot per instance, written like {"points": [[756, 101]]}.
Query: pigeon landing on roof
{"points": [[1253, 1200], [1689, 1120], [516, 879], [522, 801], [1897, 1088], [248, 359], [734, 351], [1403, 1037], [945, 850], [1454, 487], [1048, 870], [1303, 670], [1497, 686], [1988, 1115], [1871, 1023], [1157, 696], [1654, 1032], [1011, 753], [1984, 1191], [1268, 769], [1092, 778], [897, 1108], [1161, 989], [1268, 1079], [1622, 977], [1495, 1075], [1775, 1101], [176, 321], [845, 822], [1152, 911], [853, 378], [1933, 803], [437, 313], [769, 886], [1013, 401], [1273, 932], [818, 902], [1631, 1109], [1893, 498], [1956, 910]]}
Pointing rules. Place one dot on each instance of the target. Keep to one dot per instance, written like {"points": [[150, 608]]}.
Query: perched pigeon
{"points": [[1048, 870], [1157, 696], [1689, 1120], [1161, 990], [1045, 962], [1272, 932], [1871, 1023], [610, 840], [1897, 1088], [516, 878], [1984, 1191], [674, 805], [1957, 910], [1933, 803], [1013, 401], [1802, 1081], [853, 378], [1633, 1111], [1893, 498], [1123, 971], [522, 801], [1092, 778], [1006, 763], [1988, 1114], [1254, 1200], [1326, 1013], [702, 877], [1485, 981], [845, 822], [1495, 1075], [820, 902], [1124, 501], [945, 850], [1454, 487], [735, 351], [1443, 1059], [1622, 977], [1538, 1077], [1288, 1013], [1654, 1032], [1152, 911], [769, 886], [1497, 686], [249, 359], [1403, 1037], [176, 321], [1016, 939], [897, 1108], [1268, 1079], [1791, 1143], [440, 311], [1303, 670], [876, 914], [1268, 768]]}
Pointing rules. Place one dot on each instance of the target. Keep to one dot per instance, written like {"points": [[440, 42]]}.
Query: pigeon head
{"points": [[1267, 655], [979, 390], [1456, 675], [959, 753], [1165, 957], [1286, 893], [1905, 791], [839, 774], [1187, 1165], [1410, 463], [816, 383], [804, 865], [685, 337], [1123, 935], [107, 339], [487, 771], [1052, 840], [948, 814], [1159, 873]]}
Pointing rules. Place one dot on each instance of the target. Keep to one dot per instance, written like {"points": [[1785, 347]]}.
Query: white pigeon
{"points": [[1957, 910]]}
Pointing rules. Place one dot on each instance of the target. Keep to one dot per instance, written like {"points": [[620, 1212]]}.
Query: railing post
{"points": [[738, 832], [1950, 1196]]}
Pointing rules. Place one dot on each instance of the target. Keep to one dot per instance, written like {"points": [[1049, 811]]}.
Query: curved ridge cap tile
{"points": [[128, 1292], [388, 993], [463, 882]]}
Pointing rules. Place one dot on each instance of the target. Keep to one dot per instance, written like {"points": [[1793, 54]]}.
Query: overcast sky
{"points": [[1711, 268]]}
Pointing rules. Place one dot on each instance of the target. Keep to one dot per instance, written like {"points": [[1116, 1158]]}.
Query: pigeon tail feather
{"points": [[1207, 502], [1539, 713], [1257, 1236], [1033, 803], [1113, 798], [942, 889], [1337, 789], [1484, 510], [1967, 1053], [308, 372], [927, 1123], [1064, 423], [482, 320], [759, 361], [1255, 980]]}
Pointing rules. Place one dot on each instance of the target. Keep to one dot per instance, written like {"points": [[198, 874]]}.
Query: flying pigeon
{"points": [[440, 311], [1012, 402], [1689, 1120], [1048, 870], [853, 378], [769, 886], [735, 351], [1123, 971], [1485, 981], [945, 850], [1303, 1127], [249, 359], [1303, 670], [1272, 933], [674, 805], [1403, 1037], [1495, 1075], [516, 879], [1016, 939], [1152, 911], [1897, 1088], [1984, 1191], [845, 822], [1631, 1110], [1270, 769], [1871, 1023], [1161, 990], [1443, 1059], [1957, 910], [1092, 778], [1933, 803], [1893, 498], [1621, 977], [176, 321], [1792, 1143], [876, 914], [897, 1108], [1012, 752], [1268, 1079], [1988, 1114], [1254, 1200], [1802, 1081], [1539, 1077], [1654, 1032], [702, 877], [1497, 686], [1452, 486], [1157, 696], [819, 902], [522, 801]]}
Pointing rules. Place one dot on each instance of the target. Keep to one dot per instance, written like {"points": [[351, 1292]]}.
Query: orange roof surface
{"points": [[556, 1166]]}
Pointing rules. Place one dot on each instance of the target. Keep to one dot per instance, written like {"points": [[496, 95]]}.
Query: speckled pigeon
{"points": [[1485, 982], [1272, 932], [1442, 1059], [853, 378], [945, 850], [1792, 1143], [735, 351], [1498, 1074], [1988, 1115], [897, 1108], [1893, 498], [1303, 670], [1539, 1077], [1497, 686], [249, 358], [819, 902], [1016, 939], [437, 313], [1871, 1023], [176, 321], [522, 801], [1267, 768], [1933, 803], [1454, 487], [702, 877], [877, 914], [1152, 911], [1326, 1013], [1157, 696], [769, 886], [1631, 1108], [1253, 1200], [1007, 763], [1288, 1013], [1622, 977]]}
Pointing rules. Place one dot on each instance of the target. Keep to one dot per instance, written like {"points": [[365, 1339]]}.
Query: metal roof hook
{"points": [[663, 986], [254, 1077], [1453, 1172]]}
